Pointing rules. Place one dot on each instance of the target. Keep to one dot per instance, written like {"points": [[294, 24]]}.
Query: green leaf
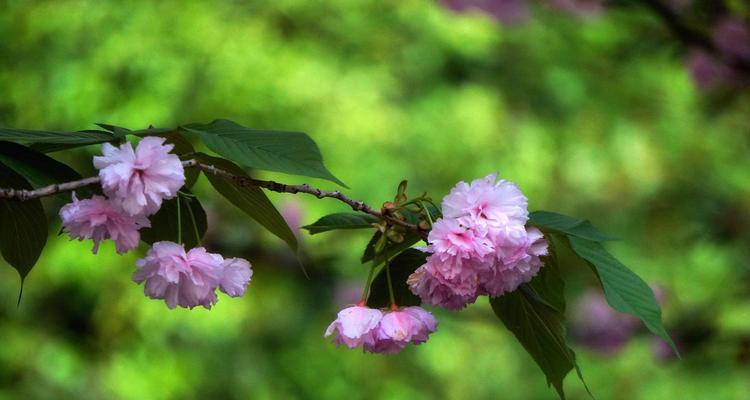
{"points": [[540, 328], [391, 248], [164, 223], [23, 226], [150, 131], [78, 138], [37, 168], [341, 221], [249, 199], [625, 291], [550, 221], [288, 152], [401, 267]]}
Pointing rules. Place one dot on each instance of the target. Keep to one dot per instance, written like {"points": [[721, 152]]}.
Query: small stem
{"points": [[394, 306], [179, 221], [366, 291], [427, 213], [195, 226]]}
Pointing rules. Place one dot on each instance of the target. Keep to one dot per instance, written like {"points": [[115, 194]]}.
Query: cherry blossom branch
{"points": [[356, 205]]}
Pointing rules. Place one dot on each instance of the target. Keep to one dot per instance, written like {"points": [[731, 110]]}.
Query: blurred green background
{"points": [[595, 118]]}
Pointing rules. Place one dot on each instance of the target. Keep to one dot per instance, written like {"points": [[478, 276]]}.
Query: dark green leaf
{"points": [[288, 152], [23, 226], [249, 199], [401, 267], [78, 138], [625, 291], [341, 221], [164, 222], [150, 131], [540, 328], [391, 248], [550, 221], [37, 168]]}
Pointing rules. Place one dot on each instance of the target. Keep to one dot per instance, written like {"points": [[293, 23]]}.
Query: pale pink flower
{"points": [[99, 219], [185, 279], [432, 287], [487, 201], [429, 323], [398, 328], [354, 326], [236, 275], [457, 237], [140, 179], [517, 267]]}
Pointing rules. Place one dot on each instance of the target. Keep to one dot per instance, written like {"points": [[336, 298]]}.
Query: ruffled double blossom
{"points": [[481, 246], [136, 182], [190, 279]]}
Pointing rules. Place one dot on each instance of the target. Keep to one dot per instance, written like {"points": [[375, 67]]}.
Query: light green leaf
{"points": [[288, 152], [341, 221], [625, 291], [249, 199], [554, 222]]}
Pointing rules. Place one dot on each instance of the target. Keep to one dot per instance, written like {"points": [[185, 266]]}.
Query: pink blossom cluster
{"points": [[481, 246], [381, 332], [135, 182], [190, 279]]}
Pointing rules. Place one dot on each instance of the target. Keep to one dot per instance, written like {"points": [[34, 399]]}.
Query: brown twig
{"points": [[356, 205]]}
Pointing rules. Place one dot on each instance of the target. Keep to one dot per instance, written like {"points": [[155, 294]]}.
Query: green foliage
{"points": [[192, 226], [23, 230], [289, 152], [401, 267], [535, 313], [337, 221], [554, 222], [37, 168], [250, 199], [625, 291], [67, 139]]}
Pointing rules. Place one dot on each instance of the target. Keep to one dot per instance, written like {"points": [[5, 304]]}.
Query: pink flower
{"points": [[185, 279], [487, 202], [140, 179], [99, 219], [449, 282], [398, 328], [481, 246], [457, 237], [354, 326], [518, 266], [236, 276]]}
